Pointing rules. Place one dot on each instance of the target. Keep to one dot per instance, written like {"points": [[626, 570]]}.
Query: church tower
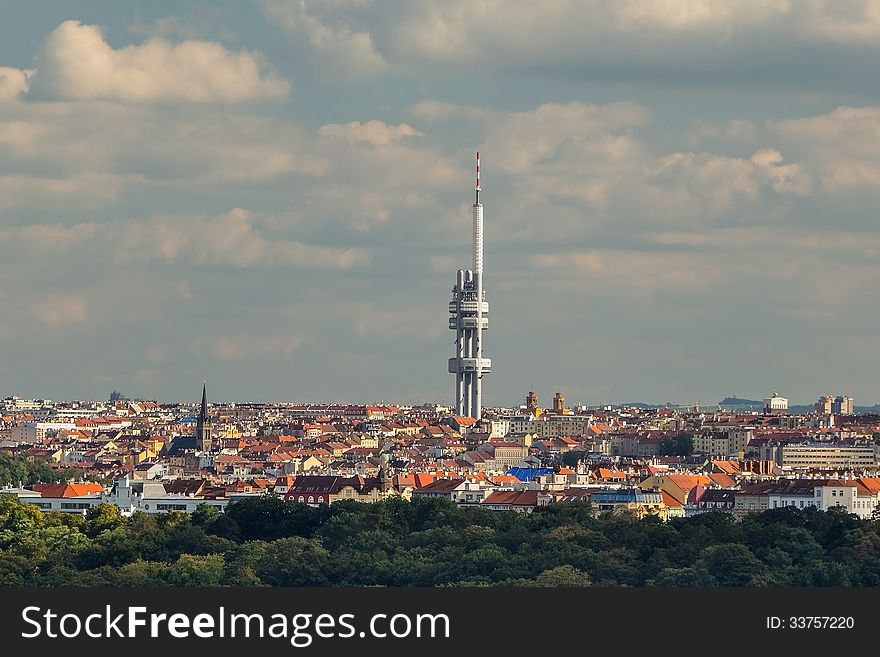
{"points": [[532, 402], [559, 403], [203, 424]]}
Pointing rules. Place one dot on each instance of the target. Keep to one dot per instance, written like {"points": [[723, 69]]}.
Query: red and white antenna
{"points": [[478, 177]]}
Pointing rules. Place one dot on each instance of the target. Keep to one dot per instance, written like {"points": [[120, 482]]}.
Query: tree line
{"points": [[431, 542], [15, 471]]}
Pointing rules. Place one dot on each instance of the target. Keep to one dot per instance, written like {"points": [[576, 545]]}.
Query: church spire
{"points": [[203, 416], [203, 425]]}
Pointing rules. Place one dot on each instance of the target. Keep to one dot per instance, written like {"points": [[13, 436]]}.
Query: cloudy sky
{"points": [[681, 197]]}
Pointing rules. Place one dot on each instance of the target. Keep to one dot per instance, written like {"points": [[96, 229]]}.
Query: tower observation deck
{"points": [[469, 317]]}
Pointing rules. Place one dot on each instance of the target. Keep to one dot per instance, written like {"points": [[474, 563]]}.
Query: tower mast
{"points": [[469, 310]]}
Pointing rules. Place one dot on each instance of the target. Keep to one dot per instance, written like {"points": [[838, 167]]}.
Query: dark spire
{"points": [[203, 426], [203, 416]]}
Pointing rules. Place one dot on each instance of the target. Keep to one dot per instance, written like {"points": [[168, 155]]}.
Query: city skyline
{"points": [[271, 196]]}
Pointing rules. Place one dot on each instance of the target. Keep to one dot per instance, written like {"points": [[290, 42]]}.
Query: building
{"points": [[532, 402], [67, 498], [634, 500], [27, 432], [203, 423], [825, 405], [822, 456], [843, 405], [508, 454], [559, 403], [831, 405], [775, 405], [469, 317], [711, 499], [459, 491], [822, 494], [326, 489], [521, 501]]}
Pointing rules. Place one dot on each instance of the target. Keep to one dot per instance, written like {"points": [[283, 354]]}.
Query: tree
{"points": [[680, 445], [295, 561], [732, 564], [196, 570], [572, 458], [204, 515], [564, 575], [684, 577], [103, 517]]}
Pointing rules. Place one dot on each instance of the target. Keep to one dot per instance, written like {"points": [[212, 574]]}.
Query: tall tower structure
{"points": [[469, 317], [558, 403], [532, 402], [203, 423]]}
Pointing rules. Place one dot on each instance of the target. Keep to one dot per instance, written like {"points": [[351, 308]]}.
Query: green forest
{"points": [[270, 542]]}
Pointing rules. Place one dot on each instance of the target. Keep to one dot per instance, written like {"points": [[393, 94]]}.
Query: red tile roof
{"points": [[67, 490]]}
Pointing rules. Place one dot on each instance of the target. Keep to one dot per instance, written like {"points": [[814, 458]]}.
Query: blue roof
{"points": [[527, 474]]}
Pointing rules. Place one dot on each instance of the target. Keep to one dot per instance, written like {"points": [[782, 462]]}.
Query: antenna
{"points": [[478, 178]]}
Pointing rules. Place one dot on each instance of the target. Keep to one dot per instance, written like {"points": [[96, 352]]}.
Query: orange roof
{"points": [[505, 479], [670, 501], [722, 479], [727, 467], [566, 471], [871, 483], [686, 482], [605, 473], [67, 490]]}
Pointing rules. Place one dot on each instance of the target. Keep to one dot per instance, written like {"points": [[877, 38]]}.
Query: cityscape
{"points": [[668, 462], [739, 457], [250, 253]]}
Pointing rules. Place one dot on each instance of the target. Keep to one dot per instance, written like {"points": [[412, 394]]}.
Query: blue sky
{"points": [[680, 197]]}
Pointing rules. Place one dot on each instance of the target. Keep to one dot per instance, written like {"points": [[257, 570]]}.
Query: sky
{"points": [[680, 198]]}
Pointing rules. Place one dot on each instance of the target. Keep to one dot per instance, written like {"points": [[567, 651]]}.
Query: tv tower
{"points": [[469, 312]]}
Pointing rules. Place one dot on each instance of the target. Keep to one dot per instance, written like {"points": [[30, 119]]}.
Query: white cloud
{"points": [[86, 190], [340, 45], [232, 239], [493, 31], [681, 15], [632, 271], [583, 168], [78, 63], [841, 146], [59, 310], [838, 21], [13, 82], [697, 186], [375, 133], [94, 152]]}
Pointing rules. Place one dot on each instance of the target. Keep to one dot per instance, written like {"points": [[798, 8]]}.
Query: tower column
{"points": [[469, 310]]}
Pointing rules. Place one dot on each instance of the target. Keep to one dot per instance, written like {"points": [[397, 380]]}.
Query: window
{"points": [[311, 499]]}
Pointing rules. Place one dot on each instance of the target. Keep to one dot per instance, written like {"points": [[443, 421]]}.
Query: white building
{"points": [[141, 495], [823, 495], [775, 404]]}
